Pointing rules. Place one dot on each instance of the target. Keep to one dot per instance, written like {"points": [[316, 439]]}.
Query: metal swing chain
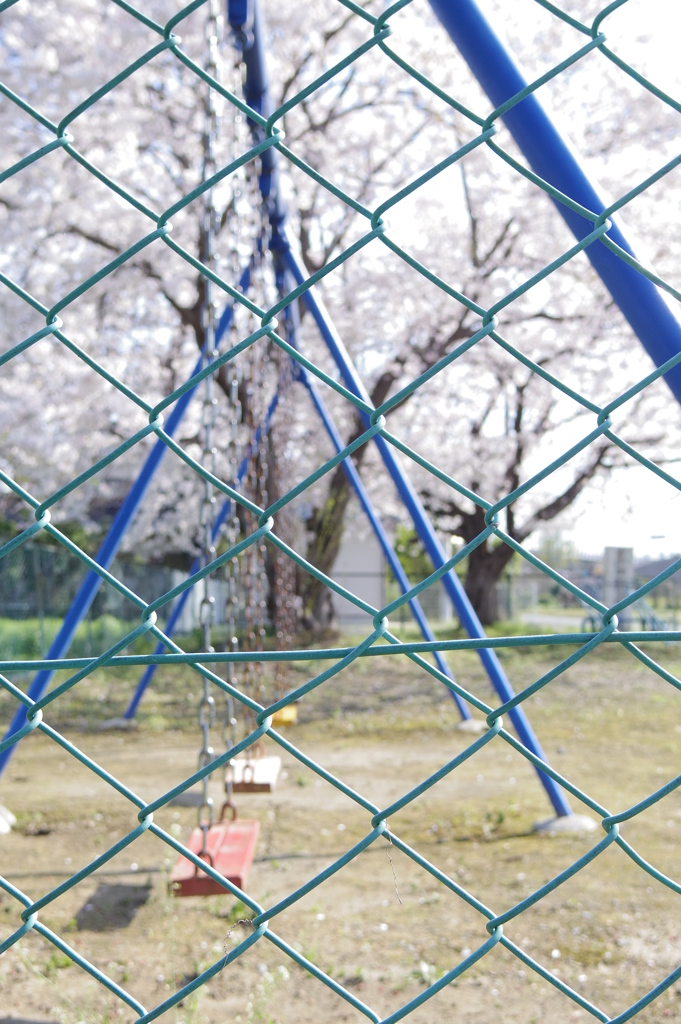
{"points": [[229, 724], [236, 219], [211, 223], [285, 618], [251, 556], [257, 476], [259, 553]]}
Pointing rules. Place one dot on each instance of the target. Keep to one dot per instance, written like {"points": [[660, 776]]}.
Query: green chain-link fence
{"points": [[46, 127]]}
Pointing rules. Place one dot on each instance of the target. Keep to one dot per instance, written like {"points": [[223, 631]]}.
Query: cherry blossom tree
{"points": [[488, 420]]}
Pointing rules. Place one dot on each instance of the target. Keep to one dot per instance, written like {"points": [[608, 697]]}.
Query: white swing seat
{"points": [[253, 775]]}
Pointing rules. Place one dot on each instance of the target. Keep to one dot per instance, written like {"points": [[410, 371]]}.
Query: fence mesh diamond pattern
{"points": [[260, 326]]}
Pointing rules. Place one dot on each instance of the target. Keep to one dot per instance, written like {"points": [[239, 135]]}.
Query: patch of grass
{"points": [[30, 638], [588, 952], [57, 961], [265, 990], [470, 823], [237, 914], [353, 978], [311, 953]]}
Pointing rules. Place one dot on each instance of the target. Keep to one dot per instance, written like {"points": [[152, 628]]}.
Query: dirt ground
{"points": [[382, 927]]}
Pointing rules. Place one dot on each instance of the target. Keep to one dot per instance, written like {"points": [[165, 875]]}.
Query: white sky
{"points": [[634, 509], [648, 516]]}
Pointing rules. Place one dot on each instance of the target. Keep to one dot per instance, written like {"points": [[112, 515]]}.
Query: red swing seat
{"points": [[230, 848]]}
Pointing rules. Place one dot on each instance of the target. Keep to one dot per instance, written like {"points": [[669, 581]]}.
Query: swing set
{"points": [[228, 845]]}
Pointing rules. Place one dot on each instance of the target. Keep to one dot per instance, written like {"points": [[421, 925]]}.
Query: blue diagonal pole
{"points": [[246, 12], [107, 552], [552, 158], [365, 501], [424, 528]]}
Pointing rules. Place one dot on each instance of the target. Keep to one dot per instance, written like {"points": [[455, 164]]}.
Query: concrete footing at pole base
{"points": [[566, 823], [7, 820]]}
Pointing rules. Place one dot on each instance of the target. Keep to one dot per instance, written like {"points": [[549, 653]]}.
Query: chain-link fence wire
{"points": [[59, 307]]}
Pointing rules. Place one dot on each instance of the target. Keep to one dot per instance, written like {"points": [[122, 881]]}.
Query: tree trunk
{"points": [[326, 526], [481, 589], [485, 566]]}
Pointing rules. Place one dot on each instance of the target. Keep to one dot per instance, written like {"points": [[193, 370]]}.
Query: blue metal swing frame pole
{"points": [[365, 501], [429, 538], [88, 589], [245, 21], [550, 157]]}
